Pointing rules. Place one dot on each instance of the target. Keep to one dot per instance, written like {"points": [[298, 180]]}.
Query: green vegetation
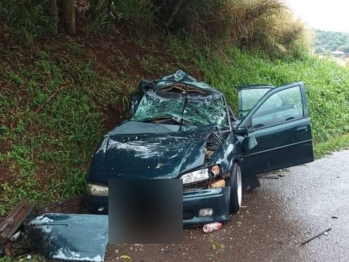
{"points": [[25, 20], [328, 41], [326, 82], [50, 122], [60, 93], [331, 145]]}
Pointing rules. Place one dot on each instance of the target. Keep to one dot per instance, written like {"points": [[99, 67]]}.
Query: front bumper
{"points": [[97, 204], [216, 198]]}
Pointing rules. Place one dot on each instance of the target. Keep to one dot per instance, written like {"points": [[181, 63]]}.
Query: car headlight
{"points": [[96, 190], [201, 175]]}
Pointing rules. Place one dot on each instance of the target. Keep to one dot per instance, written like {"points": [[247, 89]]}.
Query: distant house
{"points": [[338, 53]]}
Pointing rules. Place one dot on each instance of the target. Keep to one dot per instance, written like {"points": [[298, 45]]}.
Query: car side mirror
{"points": [[134, 105], [241, 131], [248, 143]]}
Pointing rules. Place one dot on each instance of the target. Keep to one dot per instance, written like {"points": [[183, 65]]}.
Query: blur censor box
{"points": [[145, 211]]}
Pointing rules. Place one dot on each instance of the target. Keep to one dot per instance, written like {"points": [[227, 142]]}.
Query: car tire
{"points": [[236, 189], [250, 183]]}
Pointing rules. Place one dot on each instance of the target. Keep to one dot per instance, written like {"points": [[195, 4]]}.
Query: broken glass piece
{"points": [[185, 108]]}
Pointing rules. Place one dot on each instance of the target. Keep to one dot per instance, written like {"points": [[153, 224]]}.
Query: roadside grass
{"points": [[327, 84], [52, 108], [34, 258], [26, 20], [333, 144]]}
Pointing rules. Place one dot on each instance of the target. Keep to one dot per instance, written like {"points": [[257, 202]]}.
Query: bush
{"points": [[25, 20], [134, 14], [265, 25]]}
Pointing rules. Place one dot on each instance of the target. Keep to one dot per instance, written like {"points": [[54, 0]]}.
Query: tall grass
{"points": [[25, 20], [51, 118], [326, 82], [249, 24], [266, 25]]}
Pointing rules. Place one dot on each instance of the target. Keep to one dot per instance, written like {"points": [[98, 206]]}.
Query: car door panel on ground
{"points": [[281, 126]]}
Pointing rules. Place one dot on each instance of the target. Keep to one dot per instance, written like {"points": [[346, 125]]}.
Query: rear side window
{"points": [[248, 99]]}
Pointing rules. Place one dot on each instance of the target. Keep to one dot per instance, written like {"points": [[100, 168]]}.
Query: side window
{"points": [[273, 102], [250, 97], [280, 108]]}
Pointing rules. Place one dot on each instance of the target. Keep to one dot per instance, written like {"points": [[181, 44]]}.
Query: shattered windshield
{"points": [[188, 109]]}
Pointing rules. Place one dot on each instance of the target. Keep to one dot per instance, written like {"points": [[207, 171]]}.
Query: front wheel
{"points": [[236, 189]]}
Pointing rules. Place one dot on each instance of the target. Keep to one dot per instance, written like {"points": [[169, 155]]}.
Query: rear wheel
{"points": [[236, 189]]}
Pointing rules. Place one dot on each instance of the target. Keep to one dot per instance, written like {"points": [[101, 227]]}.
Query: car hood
{"points": [[145, 150]]}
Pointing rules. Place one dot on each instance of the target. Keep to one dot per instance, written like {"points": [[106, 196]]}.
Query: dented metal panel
{"points": [[77, 237], [149, 155]]}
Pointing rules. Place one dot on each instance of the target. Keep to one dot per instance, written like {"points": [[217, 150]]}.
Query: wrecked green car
{"points": [[181, 128]]}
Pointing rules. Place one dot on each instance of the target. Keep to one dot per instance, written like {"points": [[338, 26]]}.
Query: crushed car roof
{"points": [[188, 83]]}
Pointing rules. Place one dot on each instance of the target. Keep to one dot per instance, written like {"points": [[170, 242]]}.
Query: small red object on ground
{"points": [[212, 227]]}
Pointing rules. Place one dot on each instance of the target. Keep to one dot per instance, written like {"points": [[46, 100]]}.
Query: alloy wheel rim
{"points": [[239, 185]]}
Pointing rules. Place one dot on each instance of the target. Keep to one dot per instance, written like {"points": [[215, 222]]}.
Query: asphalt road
{"points": [[274, 222]]}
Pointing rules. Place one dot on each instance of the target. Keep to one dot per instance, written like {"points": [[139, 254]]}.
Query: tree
{"points": [[167, 11], [344, 48], [64, 10]]}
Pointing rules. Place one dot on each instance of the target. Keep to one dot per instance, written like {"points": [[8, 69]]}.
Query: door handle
{"points": [[302, 129]]}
